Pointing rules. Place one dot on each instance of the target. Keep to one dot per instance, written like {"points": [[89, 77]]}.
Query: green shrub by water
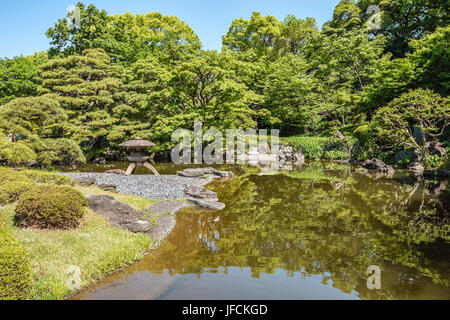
{"points": [[50, 207], [15, 270]]}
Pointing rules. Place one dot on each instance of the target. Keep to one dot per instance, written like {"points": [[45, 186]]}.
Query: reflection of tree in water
{"points": [[325, 219]]}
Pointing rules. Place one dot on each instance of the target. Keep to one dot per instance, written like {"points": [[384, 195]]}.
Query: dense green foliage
{"points": [[122, 76], [126, 38], [18, 76], [15, 266], [13, 184], [14, 154], [7, 174], [11, 191], [50, 207], [48, 177]]}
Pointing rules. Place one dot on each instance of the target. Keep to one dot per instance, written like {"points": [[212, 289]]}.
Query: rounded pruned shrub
{"points": [[50, 207], [15, 266], [10, 191]]}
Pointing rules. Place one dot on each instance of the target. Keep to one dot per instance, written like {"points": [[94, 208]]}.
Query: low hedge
{"points": [[50, 207], [15, 266], [10, 191], [48, 177], [7, 174]]}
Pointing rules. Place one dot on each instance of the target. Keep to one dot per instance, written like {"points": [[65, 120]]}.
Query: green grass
{"points": [[96, 247], [314, 148]]}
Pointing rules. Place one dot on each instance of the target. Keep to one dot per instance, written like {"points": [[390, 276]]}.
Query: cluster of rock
{"points": [[200, 196], [203, 198], [124, 216]]}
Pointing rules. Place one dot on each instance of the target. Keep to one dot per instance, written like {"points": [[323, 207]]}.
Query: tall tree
{"points": [[204, 88], [406, 20], [17, 76], [268, 37], [87, 87], [126, 38]]}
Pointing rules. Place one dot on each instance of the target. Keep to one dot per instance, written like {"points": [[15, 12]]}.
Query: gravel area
{"points": [[166, 187]]}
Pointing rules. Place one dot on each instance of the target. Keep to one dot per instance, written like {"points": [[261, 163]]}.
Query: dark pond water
{"points": [[304, 234]]}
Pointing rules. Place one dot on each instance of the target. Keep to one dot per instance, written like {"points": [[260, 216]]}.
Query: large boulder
{"points": [[196, 173], [374, 164], [379, 166], [200, 193], [118, 214]]}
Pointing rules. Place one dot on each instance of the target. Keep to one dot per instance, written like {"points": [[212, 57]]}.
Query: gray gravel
{"points": [[166, 187]]}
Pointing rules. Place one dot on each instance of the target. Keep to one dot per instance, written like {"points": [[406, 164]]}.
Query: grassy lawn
{"points": [[315, 147], [97, 248]]}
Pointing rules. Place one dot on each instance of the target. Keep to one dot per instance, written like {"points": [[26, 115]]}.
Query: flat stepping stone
{"points": [[196, 173], [204, 172], [200, 193], [118, 214], [209, 205]]}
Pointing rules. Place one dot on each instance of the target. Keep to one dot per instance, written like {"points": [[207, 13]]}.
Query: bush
{"points": [[312, 147], [57, 151], [50, 207], [433, 161], [15, 269], [15, 153], [12, 175], [11, 190], [48, 177], [320, 147]]}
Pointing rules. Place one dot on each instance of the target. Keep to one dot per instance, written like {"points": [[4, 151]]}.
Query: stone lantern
{"points": [[138, 157]]}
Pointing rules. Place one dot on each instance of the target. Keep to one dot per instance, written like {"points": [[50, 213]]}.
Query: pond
{"points": [[309, 233]]}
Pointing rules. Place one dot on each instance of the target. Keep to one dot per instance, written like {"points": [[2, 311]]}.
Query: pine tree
{"points": [[87, 87]]}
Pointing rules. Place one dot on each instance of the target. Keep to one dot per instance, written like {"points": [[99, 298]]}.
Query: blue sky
{"points": [[23, 23]]}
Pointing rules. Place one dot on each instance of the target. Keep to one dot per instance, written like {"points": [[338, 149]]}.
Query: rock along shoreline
{"points": [[171, 192]]}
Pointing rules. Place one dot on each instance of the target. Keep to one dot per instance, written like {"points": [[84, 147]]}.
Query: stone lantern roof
{"points": [[137, 143]]}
